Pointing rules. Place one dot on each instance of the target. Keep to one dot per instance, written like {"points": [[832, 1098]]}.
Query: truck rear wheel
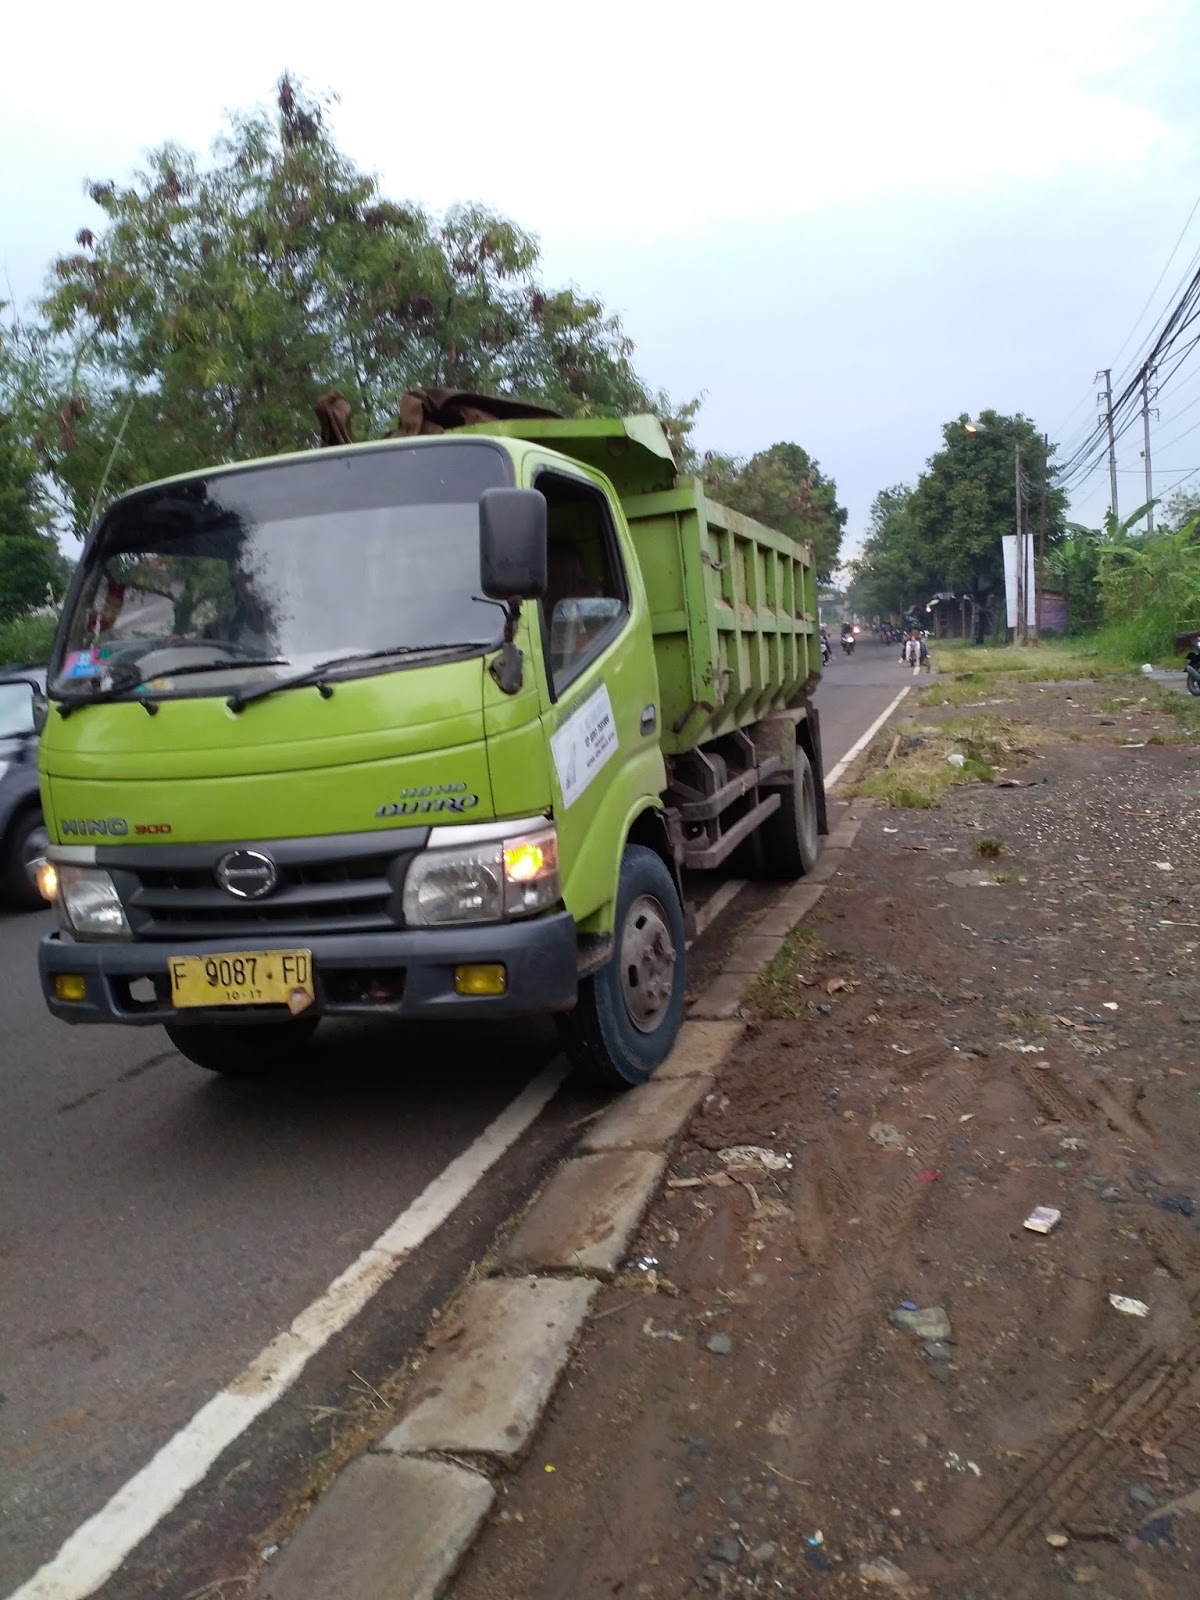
{"points": [[789, 838], [629, 1013], [243, 1049]]}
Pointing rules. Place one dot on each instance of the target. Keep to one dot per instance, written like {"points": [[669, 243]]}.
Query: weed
{"points": [[778, 992], [1007, 875], [988, 848], [1025, 1020]]}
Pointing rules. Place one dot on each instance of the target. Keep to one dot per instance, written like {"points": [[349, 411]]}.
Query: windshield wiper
{"points": [[126, 678], [317, 675]]}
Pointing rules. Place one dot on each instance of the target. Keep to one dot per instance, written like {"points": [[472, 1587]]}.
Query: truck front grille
{"points": [[319, 888]]}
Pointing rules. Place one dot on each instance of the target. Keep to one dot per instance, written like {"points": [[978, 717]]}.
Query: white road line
{"points": [[95, 1550], [863, 742], [716, 903]]}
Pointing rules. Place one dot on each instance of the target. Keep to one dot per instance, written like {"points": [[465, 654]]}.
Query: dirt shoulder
{"points": [[993, 1008]]}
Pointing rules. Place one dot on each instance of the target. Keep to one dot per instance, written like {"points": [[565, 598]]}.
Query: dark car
{"points": [[22, 830]]}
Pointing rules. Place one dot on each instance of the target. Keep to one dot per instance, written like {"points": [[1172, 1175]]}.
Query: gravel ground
{"points": [[963, 1032]]}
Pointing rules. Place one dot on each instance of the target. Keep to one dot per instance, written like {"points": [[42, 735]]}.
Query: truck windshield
{"points": [[248, 575]]}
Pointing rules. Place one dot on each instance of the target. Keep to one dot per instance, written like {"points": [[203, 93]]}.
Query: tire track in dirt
{"points": [[853, 1285], [1142, 1397], [1143, 1394], [1060, 1103]]}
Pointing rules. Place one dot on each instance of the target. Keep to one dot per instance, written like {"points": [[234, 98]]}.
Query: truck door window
{"points": [[587, 599]]}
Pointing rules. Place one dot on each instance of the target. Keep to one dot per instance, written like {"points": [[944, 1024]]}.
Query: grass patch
{"points": [[989, 849], [778, 992], [1182, 708], [1007, 875], [921, 769], [1024, 1019], [987, 667], [964, 689]]}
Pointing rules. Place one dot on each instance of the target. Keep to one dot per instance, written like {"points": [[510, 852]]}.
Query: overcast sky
{"points": [[843, 225]]}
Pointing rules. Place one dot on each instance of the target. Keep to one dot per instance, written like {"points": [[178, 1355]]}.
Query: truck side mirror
{"points": [[512, 544]]}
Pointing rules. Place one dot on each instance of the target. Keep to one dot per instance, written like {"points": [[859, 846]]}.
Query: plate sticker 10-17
{"points": [[584, 742]]}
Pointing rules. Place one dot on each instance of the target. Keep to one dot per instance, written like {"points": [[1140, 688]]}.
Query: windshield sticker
{"points": [[82, 664], [586, 740]]}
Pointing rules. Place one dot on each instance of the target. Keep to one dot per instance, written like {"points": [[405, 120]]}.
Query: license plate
{"points": [[244, 978]]}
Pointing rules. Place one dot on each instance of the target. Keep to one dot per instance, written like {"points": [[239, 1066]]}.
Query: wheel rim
{"points": [[647, 963], [33, 853]]}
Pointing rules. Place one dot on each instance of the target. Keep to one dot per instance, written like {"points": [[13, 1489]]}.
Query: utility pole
{"points": [[1020, 631], [1112, 443], [1041, 559], [1146, 450]]}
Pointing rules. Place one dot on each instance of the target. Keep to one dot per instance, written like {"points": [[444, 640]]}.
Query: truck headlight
{"points": [[89, 904], [484, 882]]}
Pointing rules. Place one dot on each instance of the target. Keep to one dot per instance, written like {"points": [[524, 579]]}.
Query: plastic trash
{"points": [[1043, 1219], [956, 759], [1132, 1308], [887, 1136], [755, 1155]]}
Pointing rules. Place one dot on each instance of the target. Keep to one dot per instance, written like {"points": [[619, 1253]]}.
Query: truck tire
{"points": [[629, 1013], [25, 848], [789, 840], [243, 1049]]}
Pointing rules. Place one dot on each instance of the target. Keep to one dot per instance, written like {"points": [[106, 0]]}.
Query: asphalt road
{"points": [[159, 1227]]}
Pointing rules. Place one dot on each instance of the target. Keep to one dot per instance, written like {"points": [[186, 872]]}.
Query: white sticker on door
{"points": [[586, 740]]}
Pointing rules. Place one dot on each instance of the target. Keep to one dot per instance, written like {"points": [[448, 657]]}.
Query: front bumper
{"points": [[409, 974]]}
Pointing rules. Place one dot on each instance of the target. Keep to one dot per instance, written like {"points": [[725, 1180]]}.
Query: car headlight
{"points": [[89, 904], [483, 882]]}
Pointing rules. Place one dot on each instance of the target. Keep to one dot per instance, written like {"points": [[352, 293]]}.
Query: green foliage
{"points": [[943, 536], [217, 300], [965, 501], [26, 640], [893, 572], [30, 565], [1139, 588], [785, 489], [28, 573]]}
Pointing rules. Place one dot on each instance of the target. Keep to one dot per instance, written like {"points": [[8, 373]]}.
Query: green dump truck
{"points": [[433, 728]]}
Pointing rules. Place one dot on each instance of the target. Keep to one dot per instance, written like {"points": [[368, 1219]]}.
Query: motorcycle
{"points": [[848, 643], [1193, 670], [826, 651]]}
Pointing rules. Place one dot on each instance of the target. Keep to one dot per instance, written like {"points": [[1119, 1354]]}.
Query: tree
{"points": [[785, 489], [219, 299], [30, 566], [965, 501], [892, 575]]}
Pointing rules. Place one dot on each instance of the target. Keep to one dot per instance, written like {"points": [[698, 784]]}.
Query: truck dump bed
{"points": [[734, 604]]}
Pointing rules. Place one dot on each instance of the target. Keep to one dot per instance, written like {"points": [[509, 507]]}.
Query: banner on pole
{"points": [[1009, 543]]}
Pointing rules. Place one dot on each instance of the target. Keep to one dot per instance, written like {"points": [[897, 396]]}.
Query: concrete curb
{"points": [[396, 1523]]}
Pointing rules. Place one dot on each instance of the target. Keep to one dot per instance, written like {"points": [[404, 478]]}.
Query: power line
{"points": [[1159, 279]]}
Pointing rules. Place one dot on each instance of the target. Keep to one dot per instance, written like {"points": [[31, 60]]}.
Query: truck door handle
{"points": [[649, 719]]}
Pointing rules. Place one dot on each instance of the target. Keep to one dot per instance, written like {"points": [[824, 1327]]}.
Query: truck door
{"points": [[601, 687]]}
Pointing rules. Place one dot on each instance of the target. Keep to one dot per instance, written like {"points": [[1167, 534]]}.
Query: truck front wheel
{"points": [[629, 1013], [243, 1049], [789, 842]]}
